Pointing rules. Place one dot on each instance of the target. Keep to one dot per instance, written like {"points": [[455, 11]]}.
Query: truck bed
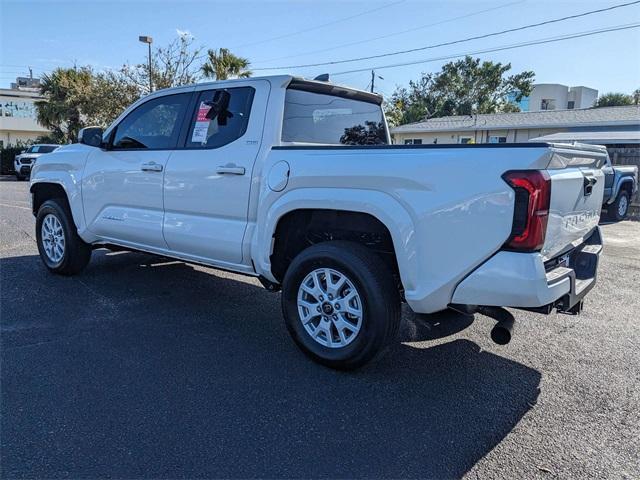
{"points": [[448, 205]]}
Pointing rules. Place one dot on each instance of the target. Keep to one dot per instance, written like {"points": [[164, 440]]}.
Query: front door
{"points": [[122, 184], [207, 183]]}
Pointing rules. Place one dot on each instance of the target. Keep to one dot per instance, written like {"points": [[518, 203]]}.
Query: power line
{"points": [[421, 27], [453, 42], [317, 27], [499, 49]]}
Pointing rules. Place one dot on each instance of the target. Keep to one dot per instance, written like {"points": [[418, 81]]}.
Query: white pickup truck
{"points": [[295, 182]]}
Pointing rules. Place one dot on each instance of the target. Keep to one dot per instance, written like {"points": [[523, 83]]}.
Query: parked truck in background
{"points": [[620, 185], [295, 182], [23, 163]]}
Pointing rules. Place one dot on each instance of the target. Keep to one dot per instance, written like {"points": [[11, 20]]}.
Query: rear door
{"points": [[207, 182], [577, 187], [122, 184]]}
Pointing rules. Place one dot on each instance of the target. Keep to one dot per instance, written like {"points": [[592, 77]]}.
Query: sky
{"points": [[44, 35]]}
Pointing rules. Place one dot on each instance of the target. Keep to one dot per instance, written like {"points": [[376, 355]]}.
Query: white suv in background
{"points": [[24, 161]]}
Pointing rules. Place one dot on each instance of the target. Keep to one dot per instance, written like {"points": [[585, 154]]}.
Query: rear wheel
{"points": [[61, 249], [619, 208], [340, 304]]}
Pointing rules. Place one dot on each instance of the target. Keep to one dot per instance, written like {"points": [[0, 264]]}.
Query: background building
{"points": [[18, 119], [554, 96], [522, 126]]}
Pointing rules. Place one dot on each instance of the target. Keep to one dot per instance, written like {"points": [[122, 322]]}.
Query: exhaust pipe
{"points": [[503, 330], [501, 333]]}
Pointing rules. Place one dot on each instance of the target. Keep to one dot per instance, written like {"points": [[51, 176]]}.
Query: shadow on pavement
{"points": [[144, 367]]}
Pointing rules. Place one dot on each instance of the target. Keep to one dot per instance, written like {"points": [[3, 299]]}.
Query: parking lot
{"points": [[147, 367]]}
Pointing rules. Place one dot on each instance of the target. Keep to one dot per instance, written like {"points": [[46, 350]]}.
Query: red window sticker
{"points": [[201, 127]]}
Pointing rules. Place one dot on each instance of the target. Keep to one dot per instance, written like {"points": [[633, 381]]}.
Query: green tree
{"points": [[171, 66], [111, 94], [78, 97], [66, 92], [222, 64], [614, 99], [464, 87], [636, 96]]}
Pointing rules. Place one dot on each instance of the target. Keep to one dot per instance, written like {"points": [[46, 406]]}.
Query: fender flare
{"points": [[73, 193], [380, 205], [618, 187]]}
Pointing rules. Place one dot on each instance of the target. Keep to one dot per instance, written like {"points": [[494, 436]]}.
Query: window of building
{"points": [[497, 139], [523, 103], [311, 117], [154, 124], [206, 133], [413, 141], [548, 104], [571, 104], [465, 140]]}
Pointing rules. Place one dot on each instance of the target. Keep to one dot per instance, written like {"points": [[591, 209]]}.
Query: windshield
{"points": [[327, 119], [42, 148]]}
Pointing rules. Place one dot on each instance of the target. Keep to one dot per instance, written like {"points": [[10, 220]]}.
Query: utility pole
{"points": [[30, 73], [373, 79]]}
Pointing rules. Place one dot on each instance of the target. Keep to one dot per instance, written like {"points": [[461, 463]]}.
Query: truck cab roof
{"points": [[280, 81]]}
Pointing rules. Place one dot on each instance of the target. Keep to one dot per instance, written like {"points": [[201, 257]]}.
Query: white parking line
{"points": [[14, 206]]}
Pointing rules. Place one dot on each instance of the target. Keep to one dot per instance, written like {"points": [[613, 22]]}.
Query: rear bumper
{"points": [[524, 280]]}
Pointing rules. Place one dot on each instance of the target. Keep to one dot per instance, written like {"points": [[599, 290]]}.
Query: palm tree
{"points": [[66, 92], [222, 64]]}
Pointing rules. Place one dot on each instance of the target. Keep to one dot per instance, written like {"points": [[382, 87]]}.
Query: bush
{"points": [[7, 155]]}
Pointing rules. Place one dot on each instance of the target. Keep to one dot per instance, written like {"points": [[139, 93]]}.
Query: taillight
{"points": [[531, 211]]}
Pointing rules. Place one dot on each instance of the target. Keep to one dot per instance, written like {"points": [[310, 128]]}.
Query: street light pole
{"points": [[148, 40]]}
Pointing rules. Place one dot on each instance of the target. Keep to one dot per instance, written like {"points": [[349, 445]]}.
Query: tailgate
{"points": [[577, 188]]}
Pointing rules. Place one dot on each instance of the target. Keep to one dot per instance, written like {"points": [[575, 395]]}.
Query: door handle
{"points": [[231, 169], [151, 167]]}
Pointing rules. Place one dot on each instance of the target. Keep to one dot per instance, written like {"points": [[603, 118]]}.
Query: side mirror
{"points": [[91, 136], [219, 107]]}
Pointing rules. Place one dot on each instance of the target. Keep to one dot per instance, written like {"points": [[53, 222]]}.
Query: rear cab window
{"points": [[332, 117]]}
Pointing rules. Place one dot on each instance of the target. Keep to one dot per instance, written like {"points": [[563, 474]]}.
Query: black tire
{"points": [[621, 203], [76, 254], [376, 288], [19, 178]]}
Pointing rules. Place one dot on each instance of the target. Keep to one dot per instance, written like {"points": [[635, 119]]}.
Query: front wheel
{"points": [[61, 249], [341, 304]]}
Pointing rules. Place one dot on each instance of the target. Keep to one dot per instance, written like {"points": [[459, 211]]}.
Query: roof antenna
{"points": [[322, 78]]}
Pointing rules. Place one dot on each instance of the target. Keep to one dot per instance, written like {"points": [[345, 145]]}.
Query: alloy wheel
{"points": [[330, 307], [53, 240]]}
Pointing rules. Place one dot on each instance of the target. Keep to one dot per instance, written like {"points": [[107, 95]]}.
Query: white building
{"points": [[18, 120], [554, 96]]}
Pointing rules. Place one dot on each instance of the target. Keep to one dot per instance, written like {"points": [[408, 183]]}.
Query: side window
{"points": [[154, 124], [227, 127]]}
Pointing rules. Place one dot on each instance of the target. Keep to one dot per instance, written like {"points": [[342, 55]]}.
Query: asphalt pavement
{"points": [[145, 367]]}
